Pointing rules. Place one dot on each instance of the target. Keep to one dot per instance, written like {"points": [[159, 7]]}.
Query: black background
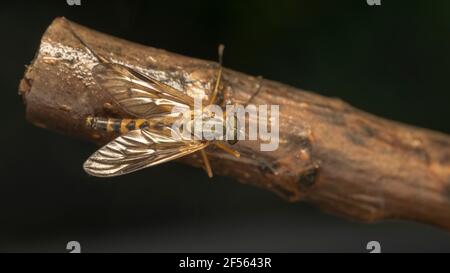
{"points": [[392, 60]]}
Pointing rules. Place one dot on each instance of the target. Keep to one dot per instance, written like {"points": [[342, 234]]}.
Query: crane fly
{"points": [[146, 139]]}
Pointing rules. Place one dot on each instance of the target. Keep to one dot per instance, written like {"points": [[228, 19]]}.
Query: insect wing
{"points": [[138, 94], [136, 150]]}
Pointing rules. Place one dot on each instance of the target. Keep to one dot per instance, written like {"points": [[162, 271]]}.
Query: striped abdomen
{"points": [[114, 125]]}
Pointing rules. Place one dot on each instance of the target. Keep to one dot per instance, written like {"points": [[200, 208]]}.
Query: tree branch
{"points": [[344, 160]]}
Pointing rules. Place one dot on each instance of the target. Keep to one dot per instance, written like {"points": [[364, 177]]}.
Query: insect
{"points": [[146, 139]]}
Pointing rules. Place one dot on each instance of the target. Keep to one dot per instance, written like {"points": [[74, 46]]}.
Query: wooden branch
{"points": [[344, 160]]}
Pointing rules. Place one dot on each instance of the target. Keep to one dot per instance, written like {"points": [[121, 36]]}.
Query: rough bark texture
{"points": [[342, 159]]}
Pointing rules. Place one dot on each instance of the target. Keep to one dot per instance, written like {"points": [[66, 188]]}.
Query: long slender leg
{"points": [[219, 76], [207, 164], [227, 149], [211, 101]]}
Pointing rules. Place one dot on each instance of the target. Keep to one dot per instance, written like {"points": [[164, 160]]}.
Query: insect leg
{"points": [[219, 76], [207, 164], [228, 149]]}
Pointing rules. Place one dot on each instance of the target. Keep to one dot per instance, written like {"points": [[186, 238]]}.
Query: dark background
{"points": [[392, 60]]}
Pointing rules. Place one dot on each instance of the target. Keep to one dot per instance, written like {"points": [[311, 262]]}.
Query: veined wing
{"points": [[136, 150], [138, 94]]}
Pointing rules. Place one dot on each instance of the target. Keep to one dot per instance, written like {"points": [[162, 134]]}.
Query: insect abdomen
{"points": [[114, 125]]}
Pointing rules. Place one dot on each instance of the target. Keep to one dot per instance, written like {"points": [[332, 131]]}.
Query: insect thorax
{"points": [[207, 127]]}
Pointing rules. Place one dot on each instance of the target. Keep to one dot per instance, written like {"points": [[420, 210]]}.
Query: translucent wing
{"points": [[138, 94], [136, 150]]}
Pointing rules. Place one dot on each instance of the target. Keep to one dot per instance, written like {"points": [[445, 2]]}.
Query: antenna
{"points": [[221, 49]]}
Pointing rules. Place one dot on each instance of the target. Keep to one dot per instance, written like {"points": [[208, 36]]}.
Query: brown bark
{"points": [[342, 159]]}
